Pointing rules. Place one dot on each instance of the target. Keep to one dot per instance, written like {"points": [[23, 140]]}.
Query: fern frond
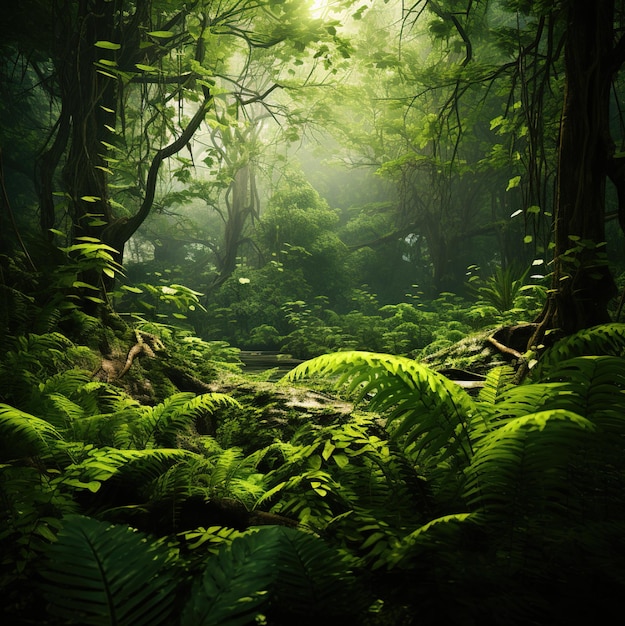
{"points": [[313, 580], [498, 380], [22, 434], [33, 359], [592, 386], [596, 389], [133, 466], [60, 410], [102, 574], [522, 467], [210, 402], [432, 532], [159, 425], [602, 340], [422, 406], [235, 583], [66, 383], [522, 400], [155, 420], [285, 573]]}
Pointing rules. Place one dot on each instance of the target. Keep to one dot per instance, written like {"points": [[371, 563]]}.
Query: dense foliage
{"points": [[506, 507], [417, 209]]}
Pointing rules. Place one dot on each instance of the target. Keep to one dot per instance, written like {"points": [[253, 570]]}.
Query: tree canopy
{"points": [[488, 147], [309, 312]]}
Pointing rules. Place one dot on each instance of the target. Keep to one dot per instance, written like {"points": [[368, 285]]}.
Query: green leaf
{"points": [[24, 434], [294, 572], [328, 448], [108, 45], [513, 183], [161, 34], [235, 582], [79, 284], [342, 460]]}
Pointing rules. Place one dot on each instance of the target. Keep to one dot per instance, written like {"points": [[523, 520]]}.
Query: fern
{"points": [[595, 388], [276, 571], [67, 383], [498, 380], [606, 339], [521, 467], [434, 531], [30, 512], [235, 582], [135, 466], [524, 399], [314, 582], [103, 574], [350, 484], [33, 358], [23, 435], [420, 405], [159, 425], [225, 474], [591, 386]]}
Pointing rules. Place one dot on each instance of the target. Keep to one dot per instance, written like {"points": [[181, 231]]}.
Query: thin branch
{"points": [[129, 226]]}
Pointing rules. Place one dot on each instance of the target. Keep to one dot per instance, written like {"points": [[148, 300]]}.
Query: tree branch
{"points": [[124, 229]]}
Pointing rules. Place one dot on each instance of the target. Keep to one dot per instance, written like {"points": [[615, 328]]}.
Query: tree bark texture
{"points": [[582, 285]]}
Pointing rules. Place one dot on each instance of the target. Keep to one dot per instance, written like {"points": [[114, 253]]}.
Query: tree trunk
{"points": [[582, 284], [89, 97]]}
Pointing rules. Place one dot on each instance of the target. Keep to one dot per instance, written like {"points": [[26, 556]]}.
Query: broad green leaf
{"points": [[513, 183]]}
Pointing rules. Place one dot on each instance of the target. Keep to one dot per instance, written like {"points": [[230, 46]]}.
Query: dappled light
{"points": [[311, 312]]}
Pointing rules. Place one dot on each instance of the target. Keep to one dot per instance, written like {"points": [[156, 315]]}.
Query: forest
{"points": [[311, 311]]}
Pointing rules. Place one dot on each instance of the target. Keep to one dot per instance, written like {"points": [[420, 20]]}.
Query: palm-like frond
{"points": [[33, 358], [74, 385], [136, 465], [235, 582], [225, 474], [595, 388], [67, 383], [422, 407], [60, 410], [522, 400], [234, 475], [432, 532], [313, 580], [103, 574]]}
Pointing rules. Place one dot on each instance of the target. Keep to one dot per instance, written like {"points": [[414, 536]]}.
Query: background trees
{"points": [[131, 83], [186, 120], [199, 144]]}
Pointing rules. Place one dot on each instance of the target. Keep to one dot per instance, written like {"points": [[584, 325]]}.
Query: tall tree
{"points": [[98, 59], [594, 51], [584, 41]]}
